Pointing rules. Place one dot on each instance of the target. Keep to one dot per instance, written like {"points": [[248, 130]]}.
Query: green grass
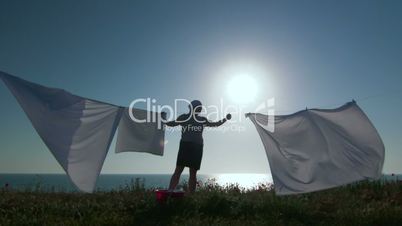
{"points": [[364, 203]]}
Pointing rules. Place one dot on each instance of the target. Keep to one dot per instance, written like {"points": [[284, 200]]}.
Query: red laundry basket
{"points": [[162, 195]]}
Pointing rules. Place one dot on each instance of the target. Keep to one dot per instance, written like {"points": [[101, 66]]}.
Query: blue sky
{"points": [[302, 53]]}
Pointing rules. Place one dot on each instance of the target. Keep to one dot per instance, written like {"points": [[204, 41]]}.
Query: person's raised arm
{"points": [[218, 123], [172, 123], [176, 122]]}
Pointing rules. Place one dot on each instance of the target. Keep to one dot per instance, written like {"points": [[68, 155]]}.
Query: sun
{"points": [[242, 89]]}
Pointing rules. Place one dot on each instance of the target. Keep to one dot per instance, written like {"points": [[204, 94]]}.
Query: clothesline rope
{"points": [[387, 94]]}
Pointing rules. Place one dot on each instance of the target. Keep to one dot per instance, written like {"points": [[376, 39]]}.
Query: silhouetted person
{"points": [[191, 143]]}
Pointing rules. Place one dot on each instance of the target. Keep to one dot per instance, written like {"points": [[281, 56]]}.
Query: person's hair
{"points": [[195, 106]]}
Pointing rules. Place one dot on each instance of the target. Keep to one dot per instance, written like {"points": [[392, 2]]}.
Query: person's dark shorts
{"points": [[190, 155]]}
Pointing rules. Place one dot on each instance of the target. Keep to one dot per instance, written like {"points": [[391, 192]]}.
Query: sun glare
{"points": [[247, 181], [242, 89]]}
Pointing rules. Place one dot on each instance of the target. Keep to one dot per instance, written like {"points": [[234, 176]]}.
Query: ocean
{"points": [[109, 182]]}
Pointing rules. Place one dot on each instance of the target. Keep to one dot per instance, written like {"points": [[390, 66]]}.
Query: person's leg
{"points": [[175, 177], [193, 180]]}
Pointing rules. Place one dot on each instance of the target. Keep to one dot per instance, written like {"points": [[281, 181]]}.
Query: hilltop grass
{"points": [[363, 203]]}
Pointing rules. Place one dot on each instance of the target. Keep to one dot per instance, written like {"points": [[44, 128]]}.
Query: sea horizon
{"points": [[113, 181], [109, 181]]}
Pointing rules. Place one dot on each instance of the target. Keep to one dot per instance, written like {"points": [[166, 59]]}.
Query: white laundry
{"points": [[317, 149], [78, 131], [138, 136]]}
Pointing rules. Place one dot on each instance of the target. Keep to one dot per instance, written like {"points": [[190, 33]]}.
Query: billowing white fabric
{"points": [[76, 130], [317, 149], [147, 136]]}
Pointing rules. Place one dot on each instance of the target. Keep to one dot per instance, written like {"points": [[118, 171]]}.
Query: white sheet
{"points": [[317, 149], [78, 131], [140, 137]]}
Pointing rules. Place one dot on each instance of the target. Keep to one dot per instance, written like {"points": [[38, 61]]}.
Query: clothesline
{"points": [[386, 94]]}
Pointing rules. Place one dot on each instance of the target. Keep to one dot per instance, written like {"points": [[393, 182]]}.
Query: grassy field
{"points": [[364, 203]]}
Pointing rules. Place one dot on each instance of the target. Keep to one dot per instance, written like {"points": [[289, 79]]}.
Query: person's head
{"points": [[195, 107]]}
